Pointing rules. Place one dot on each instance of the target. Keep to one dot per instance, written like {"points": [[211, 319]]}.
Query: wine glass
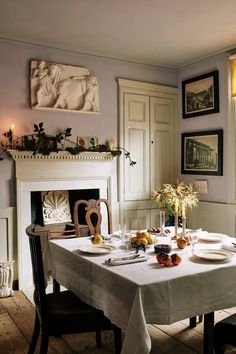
{"points": [[193, 239]]}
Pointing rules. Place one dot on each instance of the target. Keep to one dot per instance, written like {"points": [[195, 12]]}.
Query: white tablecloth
{"points": [[136, 294]]}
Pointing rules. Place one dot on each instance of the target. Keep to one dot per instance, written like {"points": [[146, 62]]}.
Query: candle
{"points": [[176, 205], [12, 133], [183, 212], [176, 217]]}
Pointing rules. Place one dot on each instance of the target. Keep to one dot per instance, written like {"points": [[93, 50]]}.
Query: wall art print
{"points": [[63, 88], [202, 153], [200, 95]]}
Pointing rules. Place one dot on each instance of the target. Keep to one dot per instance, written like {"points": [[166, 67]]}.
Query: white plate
{"points": [[96, 249], [212, 237], [212, 254]]}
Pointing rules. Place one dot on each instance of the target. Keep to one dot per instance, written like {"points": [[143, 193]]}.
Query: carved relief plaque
{"points": [[63, 87], [56, 207]]}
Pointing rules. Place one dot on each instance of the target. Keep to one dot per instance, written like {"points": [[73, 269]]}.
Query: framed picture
{"points": [[202, 153], [200, 95]]}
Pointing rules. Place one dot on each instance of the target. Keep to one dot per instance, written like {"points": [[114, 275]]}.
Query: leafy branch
{"points": [[40, 142]]}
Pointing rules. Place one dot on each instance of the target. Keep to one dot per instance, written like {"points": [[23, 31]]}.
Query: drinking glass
{"points": [[126, 240], [122, 229], [193, 239]]}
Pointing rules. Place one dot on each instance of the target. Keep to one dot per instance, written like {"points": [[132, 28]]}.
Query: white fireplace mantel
{"points": [[60, 172], [60, 155]]}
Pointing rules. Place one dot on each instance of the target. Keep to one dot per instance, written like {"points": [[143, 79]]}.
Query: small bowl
{"points": [[162, 248]]}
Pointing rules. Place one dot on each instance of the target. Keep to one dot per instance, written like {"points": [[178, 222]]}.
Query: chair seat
{"points": [[63, 310], [225, 331]]}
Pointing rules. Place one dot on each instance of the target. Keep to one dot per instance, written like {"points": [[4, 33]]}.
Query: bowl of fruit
{"points": [[141, 240]]}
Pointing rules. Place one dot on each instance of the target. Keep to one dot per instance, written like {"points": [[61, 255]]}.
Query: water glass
{"points": [[193, 239], [126, 240], [122, 229]]}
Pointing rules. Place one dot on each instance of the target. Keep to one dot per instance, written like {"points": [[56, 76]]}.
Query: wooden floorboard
{"points": [[16, 325]]}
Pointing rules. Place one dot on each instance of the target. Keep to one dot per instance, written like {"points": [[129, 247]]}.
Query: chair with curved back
{"points": [[61, 312], [225, 333], [93, 215]]}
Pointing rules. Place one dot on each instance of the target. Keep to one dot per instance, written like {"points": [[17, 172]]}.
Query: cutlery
{"points": [[134, 256], [233, 243]]}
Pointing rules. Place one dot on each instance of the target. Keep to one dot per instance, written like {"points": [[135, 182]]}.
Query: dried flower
{"points": [[167, 195]]}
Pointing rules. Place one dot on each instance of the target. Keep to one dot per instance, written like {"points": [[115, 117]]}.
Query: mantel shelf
{"points": [[61, 155]]}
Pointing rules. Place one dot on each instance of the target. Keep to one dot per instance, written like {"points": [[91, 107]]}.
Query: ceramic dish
{"points": [[212, 237], [212, 254], [96, 249]]}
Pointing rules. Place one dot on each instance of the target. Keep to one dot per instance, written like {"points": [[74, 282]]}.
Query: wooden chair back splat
{"points": [[93, 215]]}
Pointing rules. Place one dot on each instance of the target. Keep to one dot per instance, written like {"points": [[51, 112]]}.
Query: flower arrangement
{"points": [[40, 142], [179, 194], [176, 198]]}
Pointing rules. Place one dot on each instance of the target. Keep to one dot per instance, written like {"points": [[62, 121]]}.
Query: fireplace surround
{"points": [[58, 171]]}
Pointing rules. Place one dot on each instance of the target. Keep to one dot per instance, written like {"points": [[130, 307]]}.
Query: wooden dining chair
{"points": [[93, 216], [225, 333], [61, 312]]}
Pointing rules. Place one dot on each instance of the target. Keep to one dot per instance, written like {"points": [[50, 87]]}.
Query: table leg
{"points": [[208, 333]]}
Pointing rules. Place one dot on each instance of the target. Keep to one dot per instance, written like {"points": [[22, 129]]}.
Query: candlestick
{"points": [[183, 221], [176, 225], [12, 134], [176, 217], [176, 205]]}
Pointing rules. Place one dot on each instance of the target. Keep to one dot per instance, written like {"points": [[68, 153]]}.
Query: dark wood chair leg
{"points": [[98, 339], [193, 322], [55, 286], [35, 335], [208, 333], [117, 340], [44, 343]]}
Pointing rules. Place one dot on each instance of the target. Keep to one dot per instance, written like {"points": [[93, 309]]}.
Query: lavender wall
{"points": [[15, 104], [217, 184]]}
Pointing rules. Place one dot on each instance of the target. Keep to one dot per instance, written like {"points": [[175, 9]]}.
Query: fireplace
{"points": [[84, 173], [73, 195]]}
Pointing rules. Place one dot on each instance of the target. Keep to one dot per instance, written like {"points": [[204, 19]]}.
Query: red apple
{"points": [[182, 243], [176, 259], [160, 256]]}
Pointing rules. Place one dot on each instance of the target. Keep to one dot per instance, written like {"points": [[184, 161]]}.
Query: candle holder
{"points": [[184, 226], [176, 225]]}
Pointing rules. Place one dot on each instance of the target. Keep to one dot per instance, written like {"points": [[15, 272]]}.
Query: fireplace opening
{"points": [[74, 195]]}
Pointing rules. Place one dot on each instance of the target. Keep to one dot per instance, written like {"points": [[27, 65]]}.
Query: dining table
{"points": [[135, 292]]}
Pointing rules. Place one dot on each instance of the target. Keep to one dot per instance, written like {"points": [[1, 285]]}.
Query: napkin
{"points": [[125, 260]]}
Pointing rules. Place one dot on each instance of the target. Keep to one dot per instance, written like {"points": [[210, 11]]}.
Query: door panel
{"points": [[136, 133], [161, 121]]}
